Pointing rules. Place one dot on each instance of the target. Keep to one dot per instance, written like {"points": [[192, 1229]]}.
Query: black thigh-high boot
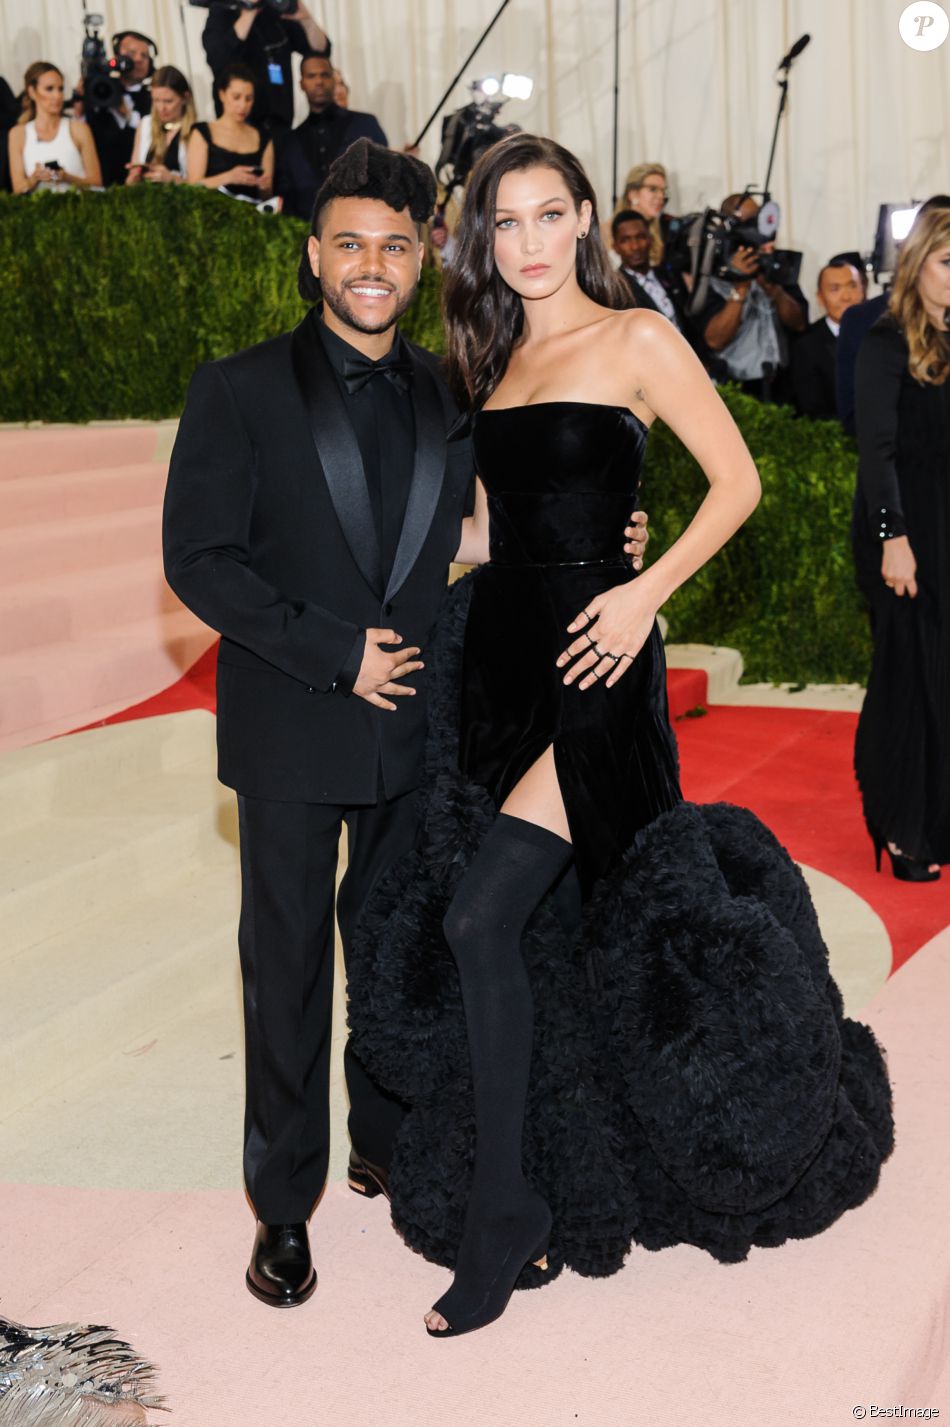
{"points": [[507, 1224]]}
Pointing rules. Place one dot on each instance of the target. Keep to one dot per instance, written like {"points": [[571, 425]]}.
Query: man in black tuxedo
{"points": [[305, 156], [840, 286], [313, 508]]}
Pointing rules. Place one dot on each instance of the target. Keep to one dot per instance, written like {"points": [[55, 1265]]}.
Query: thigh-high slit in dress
{"points": [[694, 1078]]}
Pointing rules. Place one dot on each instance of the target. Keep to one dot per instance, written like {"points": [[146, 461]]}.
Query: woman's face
{"points": [[650, 198], [169, 107], [536, 231], [237, 100], [47, 93], [933, 282]]}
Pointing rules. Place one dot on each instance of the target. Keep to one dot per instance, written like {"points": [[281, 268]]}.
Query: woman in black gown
{"points": [[901, 538], [652, 1046]]}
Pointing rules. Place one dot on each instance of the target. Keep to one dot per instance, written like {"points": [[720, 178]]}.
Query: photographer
{"points": [[264, 41], [47, 151], [115, 126], [746, 322], [230, 152]]}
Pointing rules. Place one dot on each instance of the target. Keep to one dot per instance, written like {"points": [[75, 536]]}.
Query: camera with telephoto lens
{"points": [[704, 244], [102, 76], [279, 7]]}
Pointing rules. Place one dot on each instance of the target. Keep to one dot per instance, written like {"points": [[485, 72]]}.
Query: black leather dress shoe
{"points": [[281, 1272], [365, 1178]]}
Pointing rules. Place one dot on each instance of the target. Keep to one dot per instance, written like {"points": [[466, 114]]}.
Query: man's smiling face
{"points": [[368, 258]]}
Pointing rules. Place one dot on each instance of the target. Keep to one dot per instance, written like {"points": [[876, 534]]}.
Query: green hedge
{"points": [[108, 301], [782, 590]]}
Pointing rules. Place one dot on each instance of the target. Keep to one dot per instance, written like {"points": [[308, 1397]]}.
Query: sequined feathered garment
{"points": [[71, 1376]]}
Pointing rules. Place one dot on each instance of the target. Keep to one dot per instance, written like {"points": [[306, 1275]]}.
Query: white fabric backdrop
{"points": [[868, 119]]}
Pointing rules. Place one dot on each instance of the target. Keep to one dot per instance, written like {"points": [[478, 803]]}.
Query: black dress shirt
{"points": [[385, 428]]}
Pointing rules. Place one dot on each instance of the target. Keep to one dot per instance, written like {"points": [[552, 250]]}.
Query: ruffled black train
{"points": [[694, 1079]]}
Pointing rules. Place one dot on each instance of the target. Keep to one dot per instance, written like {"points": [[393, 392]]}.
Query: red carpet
{"points": [[792, 767]]}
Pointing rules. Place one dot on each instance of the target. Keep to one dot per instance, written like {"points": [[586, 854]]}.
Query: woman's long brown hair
{"points": [[928, 346], [32, 77], [484, 317]]}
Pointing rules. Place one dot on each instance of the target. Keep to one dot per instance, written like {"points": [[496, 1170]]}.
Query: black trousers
{"points": [[286, 940]]}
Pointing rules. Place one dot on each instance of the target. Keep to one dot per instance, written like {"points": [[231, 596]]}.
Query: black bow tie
{"points": [[357, 371]]}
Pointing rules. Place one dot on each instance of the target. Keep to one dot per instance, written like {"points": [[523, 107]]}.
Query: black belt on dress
{"points": [[557, 564]]}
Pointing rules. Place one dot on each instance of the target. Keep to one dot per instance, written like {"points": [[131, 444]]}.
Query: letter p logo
{"points": [[924, 26]]}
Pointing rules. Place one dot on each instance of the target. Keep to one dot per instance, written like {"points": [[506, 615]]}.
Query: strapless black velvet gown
{"points": [[694, 1078]]}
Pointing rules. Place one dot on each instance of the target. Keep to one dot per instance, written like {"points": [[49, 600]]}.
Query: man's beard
{"points": [[335, 299]]}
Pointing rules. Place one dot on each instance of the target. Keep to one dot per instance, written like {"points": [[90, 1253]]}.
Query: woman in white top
{"points": [[161, 144], [46, 150]]}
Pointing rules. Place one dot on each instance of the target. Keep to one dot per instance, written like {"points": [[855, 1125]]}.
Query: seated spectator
{"points": [[263, 40], [341, 90], [840, 286], [229, 153], [161, 145], [747, 322], [47, 151], [115, 129], [646, 191], [327, 132]]}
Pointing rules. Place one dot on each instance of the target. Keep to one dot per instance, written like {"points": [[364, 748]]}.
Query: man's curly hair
{"points": [[367, 170]]}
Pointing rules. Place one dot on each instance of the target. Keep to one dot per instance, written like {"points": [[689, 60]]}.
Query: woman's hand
{"points": [[159, 173], [637, 537], [898, 566], [41, 174], [616, 623], [243, 174]]}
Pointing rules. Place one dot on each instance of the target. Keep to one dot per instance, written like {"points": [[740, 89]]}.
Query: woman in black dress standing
{"points": [[632, 1032], [229, 152], [901, 537]]}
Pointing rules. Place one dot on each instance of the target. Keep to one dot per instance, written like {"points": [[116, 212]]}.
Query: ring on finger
{"points": [[591, 641], [587, 615]]}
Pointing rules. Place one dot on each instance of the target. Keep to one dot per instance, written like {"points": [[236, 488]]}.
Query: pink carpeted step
{"points": [[27, 499], [124, 663], [40, 612], [53, 450], [84, 542]]}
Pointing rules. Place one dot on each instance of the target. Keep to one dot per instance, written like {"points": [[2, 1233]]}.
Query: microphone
{"points": [[795, 51]]}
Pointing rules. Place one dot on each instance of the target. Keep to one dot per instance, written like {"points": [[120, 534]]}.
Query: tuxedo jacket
{"points": [[813, 371], [269, 538]]}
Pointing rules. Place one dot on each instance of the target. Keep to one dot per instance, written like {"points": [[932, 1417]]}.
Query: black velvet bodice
{"points": [[562, 478]]}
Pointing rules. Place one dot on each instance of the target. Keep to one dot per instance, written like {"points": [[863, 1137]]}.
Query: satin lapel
{"points": [[427, 475], [337, 448]]}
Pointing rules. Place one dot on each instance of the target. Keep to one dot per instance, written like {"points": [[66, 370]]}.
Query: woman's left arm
{"points": [[266, 185], [672, 382], [91, 176]]}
